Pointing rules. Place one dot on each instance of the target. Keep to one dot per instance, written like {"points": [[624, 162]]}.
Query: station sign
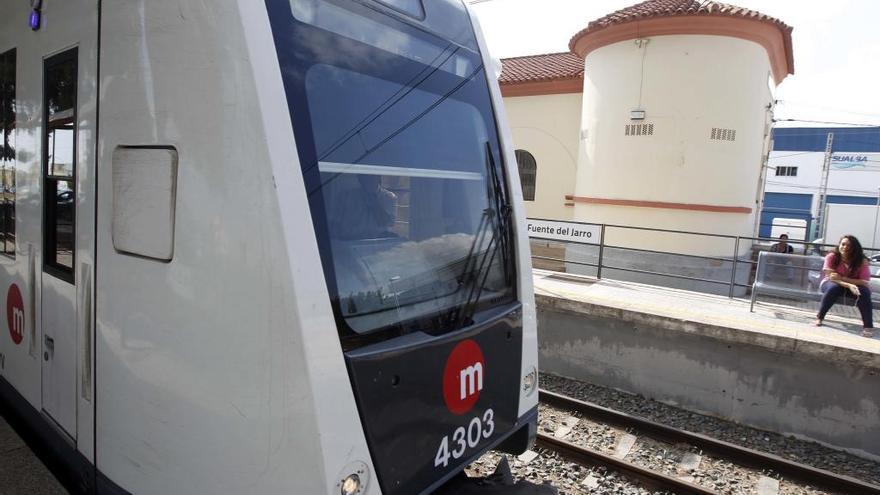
{"points": [[584, 233]]}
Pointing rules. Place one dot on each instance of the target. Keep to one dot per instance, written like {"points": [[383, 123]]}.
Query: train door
{"points": [[69, 75]]}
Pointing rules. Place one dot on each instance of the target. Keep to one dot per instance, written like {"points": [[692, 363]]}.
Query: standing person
{"points": [[782, 246], [846, 269]]}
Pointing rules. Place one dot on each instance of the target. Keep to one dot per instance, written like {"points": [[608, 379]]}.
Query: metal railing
{"points": [[735, 260]]}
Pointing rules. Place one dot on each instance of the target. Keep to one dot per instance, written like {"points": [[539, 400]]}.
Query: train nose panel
{"points": [[429, 404]]}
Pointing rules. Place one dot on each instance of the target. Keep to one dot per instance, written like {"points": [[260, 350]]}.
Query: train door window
{"points": [[528, 173], [7, 152], [59, 158]]}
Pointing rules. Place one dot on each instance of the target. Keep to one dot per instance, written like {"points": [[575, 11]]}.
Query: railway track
{"points": [[741, 456]]}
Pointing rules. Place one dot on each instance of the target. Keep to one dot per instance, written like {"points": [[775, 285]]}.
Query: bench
{"points": [[795, 276]]}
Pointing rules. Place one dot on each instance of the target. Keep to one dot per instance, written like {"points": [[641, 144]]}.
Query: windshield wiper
{"points": [[495, 218]]}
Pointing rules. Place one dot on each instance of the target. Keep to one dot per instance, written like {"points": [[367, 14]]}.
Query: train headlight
{"points": [[530, 381], [351, 485], [353, 479]]}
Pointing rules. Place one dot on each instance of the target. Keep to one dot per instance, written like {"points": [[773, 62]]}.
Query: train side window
{"points": [[7, 152], [59, 158]]}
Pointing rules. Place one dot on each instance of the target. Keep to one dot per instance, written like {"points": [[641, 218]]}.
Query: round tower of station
{"points": [[677, 105]]}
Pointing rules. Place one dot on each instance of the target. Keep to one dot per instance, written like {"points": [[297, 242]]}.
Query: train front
{"points": [[410, 194]]}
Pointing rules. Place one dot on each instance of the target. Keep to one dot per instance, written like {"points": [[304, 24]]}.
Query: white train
{"points": [[261, 247]]}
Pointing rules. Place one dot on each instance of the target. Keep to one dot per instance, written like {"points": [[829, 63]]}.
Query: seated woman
{"points": [[846, 269]]}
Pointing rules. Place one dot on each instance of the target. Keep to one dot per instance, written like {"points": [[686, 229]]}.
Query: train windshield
{"points": [[399, 150]]}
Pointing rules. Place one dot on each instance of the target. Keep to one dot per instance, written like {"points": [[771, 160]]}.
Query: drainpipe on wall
{"points": [[765, 162]]}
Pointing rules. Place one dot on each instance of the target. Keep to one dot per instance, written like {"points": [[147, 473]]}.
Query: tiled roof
{"points": [[538, 68], [671, 8]]}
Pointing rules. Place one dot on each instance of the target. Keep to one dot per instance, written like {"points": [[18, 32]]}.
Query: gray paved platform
{"points": [[21, 472]]}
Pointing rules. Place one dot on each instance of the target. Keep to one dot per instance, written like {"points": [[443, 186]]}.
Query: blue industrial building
{"points": [[787, 196], [846, 139]]}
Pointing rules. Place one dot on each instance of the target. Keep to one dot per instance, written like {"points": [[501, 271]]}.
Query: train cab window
{"points": [[59, 158], [7, 152], [402, 164]]}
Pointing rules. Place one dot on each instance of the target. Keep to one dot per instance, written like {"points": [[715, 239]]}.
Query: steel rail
{"points": [[650, 478], [742, 456]]}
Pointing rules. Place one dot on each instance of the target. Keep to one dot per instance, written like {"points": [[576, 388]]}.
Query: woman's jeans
{"points": [[831, 292]]}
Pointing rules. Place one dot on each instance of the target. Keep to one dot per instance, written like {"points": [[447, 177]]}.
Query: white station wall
{"points": [[547, 127], [687, 85]]}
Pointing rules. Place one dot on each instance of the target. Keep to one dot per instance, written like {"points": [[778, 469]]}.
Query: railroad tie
{"points": [[562, 431], [527, 456], [768, 486], [590, 482], [624, 446], [566, 427], [689, 463]]}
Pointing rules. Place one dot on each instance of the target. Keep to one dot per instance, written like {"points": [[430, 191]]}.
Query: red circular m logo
{"points": [[463, 377], [15, 314]]}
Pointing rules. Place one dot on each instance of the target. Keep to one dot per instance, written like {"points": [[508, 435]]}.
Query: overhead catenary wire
{"points": [[772, 157], [816, 188], [855, 124]]}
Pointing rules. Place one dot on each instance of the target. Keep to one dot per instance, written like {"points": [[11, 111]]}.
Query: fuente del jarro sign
{"points": [[584, 233]]}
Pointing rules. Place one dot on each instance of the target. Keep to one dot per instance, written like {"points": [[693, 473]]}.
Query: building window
{"points": [[7, 152], [59, 158], [786, 171], [528, 173]]}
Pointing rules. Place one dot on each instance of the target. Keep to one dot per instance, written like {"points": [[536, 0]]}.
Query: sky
{"points": [[836, 49]]}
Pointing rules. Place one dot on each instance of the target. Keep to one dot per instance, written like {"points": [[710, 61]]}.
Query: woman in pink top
{"points": [[847, 269]]}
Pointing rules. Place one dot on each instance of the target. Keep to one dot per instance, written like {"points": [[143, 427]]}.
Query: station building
{"points": [[659, 116], [543, 98]]}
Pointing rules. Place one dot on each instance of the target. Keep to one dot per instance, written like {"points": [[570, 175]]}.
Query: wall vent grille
{"points": [[639, 130], [719, 134]]}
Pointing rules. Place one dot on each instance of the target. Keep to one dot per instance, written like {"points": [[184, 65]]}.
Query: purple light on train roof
{"points": [[34, 20]]}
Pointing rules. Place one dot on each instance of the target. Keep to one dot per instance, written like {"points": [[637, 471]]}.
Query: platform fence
{"points": [[729, 274]]}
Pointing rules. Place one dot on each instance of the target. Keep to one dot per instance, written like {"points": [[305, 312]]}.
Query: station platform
{"points": [[770, 369], [773, 324], [21, 471]]}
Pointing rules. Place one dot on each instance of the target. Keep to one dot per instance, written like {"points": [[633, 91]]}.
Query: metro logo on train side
{"points": [[15, 314]]}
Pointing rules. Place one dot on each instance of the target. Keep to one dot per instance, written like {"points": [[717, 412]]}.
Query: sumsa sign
{"points": [[844, 162]]}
